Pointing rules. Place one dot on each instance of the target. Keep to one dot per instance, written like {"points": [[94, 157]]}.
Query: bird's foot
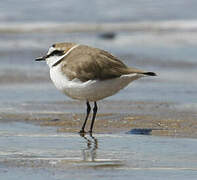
{"points": [[82, 132], [90, 132]]}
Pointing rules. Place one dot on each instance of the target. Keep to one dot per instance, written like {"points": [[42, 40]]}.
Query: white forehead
{"points": [[51, 49]]}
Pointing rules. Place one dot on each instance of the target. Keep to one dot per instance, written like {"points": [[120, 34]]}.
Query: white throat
{"points": [[54, 59]]}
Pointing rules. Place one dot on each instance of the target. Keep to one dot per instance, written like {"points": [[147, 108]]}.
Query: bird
{"points": [[88, 74]]}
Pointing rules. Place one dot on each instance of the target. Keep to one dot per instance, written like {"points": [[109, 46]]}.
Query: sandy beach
{"points": [[160, 119], [146, 131], [40, 152]]}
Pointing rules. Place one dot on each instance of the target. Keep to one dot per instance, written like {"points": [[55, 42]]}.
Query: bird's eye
{"points": [[57, 53]]}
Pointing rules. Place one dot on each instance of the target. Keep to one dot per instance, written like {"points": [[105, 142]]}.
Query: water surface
{"points": [[36, 152]]}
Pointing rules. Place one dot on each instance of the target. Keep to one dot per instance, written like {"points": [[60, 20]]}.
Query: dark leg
{"points": [[93, 117], [88, 112]]}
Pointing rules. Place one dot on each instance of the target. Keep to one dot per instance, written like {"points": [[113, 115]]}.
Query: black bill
{"points": [[40, 58]]}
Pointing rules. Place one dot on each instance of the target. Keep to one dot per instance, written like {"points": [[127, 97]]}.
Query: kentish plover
{"points": [[90, 74]]}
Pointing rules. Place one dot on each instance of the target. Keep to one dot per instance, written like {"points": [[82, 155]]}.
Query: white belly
{"points": [[92, 90]]}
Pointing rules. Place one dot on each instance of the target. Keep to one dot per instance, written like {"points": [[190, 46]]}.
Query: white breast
{"points": [[92, 90]]}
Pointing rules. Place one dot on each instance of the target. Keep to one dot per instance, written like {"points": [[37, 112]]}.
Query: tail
{"points": [[131, 70], [149, 73]]}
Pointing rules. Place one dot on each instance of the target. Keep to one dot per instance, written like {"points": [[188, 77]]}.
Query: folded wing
{"points": [[92, 63]]}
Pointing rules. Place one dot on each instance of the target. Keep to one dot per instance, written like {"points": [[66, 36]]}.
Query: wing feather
{"points": [[92, 63]]}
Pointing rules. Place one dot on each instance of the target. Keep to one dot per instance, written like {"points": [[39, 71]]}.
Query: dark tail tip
{"points": [[150, 74]]}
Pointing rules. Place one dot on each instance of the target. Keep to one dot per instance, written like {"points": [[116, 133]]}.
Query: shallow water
{"points": [[150, 35], [29, 151], [174, 64]]}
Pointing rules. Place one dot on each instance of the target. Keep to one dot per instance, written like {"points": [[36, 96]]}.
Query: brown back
{"points": [[87, 63]]}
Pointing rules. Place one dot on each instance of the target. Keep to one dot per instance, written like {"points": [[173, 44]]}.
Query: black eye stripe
{"points": [[56, 53]]}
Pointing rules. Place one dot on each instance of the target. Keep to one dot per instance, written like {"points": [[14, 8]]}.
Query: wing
{"points": [[94, 64]]}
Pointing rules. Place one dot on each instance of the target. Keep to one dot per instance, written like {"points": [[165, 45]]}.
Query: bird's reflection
{"points": [[89, 153]]}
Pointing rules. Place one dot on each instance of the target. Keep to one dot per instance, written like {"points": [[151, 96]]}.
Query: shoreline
{"points": [[145, 118]]}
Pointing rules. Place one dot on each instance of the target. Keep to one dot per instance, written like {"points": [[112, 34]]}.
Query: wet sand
{"points": [[147, 131], [36, 152], [152, 118]]}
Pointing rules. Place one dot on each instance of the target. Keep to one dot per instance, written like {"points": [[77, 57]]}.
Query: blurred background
{"points": [[152, 35], [159, 36]]}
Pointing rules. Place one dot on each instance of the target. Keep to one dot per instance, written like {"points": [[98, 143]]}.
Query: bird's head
{"points": [[56, 52]]}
